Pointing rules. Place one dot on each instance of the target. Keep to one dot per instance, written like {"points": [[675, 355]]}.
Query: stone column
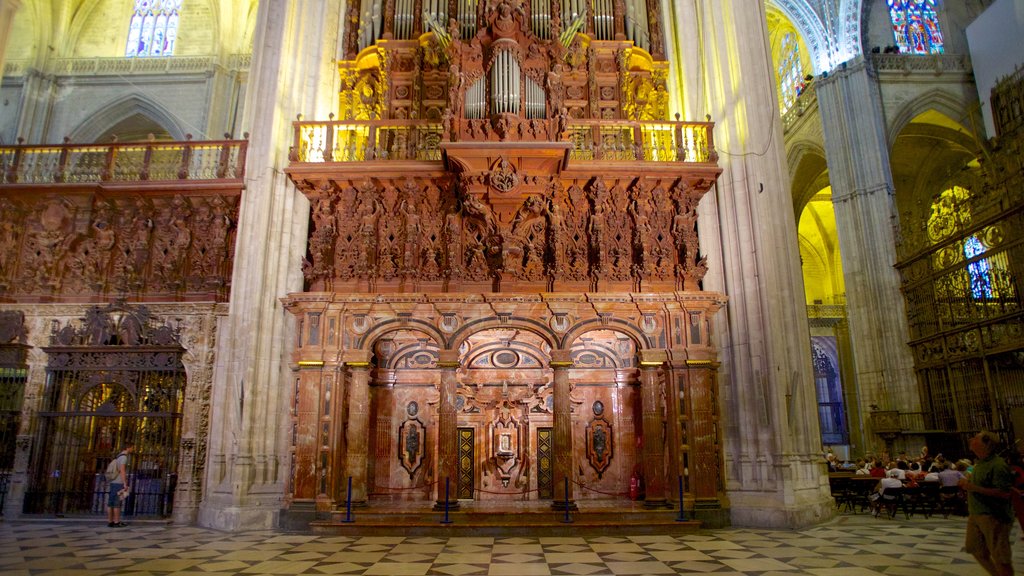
{"points": [[292, 73], [748, 232], [357, 426], [447, 432], [8, 9], [652, 394], [857, 150], [562, 441]]}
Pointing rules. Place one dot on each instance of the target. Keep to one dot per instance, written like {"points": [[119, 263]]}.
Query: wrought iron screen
{"points": [[89, 412], [12, 390], [113, 381]]}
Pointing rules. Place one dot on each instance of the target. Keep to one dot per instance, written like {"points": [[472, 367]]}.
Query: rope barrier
{"points": [[399, 489], [506, 493], [616, 494]]}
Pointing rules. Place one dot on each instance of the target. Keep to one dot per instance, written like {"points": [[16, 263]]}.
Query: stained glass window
{"points": [[916, 26], [979, 272], [791, 77], [831, 413], [153, 29]]}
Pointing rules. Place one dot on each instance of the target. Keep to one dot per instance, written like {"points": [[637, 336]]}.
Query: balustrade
{"points": [[123, 162], [359, 141]]}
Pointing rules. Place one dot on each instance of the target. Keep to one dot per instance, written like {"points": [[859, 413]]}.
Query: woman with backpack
{"points": [[117, 475]]}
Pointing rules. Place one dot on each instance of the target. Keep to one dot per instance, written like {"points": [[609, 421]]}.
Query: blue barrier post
{"points": [[682, 511], [348, 503], [446, 520], [568, 519]]}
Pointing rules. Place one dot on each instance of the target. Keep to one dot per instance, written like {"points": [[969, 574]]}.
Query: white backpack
{"points": [[113, 471]]}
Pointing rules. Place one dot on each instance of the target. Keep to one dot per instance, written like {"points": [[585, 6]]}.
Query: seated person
{"points": [[950, 477], [878, 497], [878, 469]]}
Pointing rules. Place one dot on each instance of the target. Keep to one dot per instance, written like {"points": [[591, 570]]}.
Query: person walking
{"points": [[990, 514], [117, 474]]}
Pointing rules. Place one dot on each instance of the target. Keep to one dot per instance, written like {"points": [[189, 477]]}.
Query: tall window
{"points": [[153, 29], [791, 77], [831, 413], [916, 26]]}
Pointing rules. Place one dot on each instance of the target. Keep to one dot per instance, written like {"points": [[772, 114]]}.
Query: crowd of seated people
{"points": [[939, 475]]}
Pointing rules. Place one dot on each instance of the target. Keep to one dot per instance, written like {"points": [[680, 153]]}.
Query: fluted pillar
{"points": [[292, 72], [8, 9], [561, 362], [652, 394], [748, 232], [357, 427], [447, 432], [857, 149]]}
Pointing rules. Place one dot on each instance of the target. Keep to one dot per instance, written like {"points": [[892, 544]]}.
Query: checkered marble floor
{"points": [[846, 546]]}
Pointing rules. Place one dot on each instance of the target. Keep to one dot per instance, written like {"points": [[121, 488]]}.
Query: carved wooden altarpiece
{"points": [[503, 234]]}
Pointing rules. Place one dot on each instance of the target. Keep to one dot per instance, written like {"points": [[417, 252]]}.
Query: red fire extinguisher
{"points": [[634, 485]]}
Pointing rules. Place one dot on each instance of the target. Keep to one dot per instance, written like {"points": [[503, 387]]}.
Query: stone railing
{"points": [[123, 162], [916, 63], [122, 66], [806, 101], [361, 141]]}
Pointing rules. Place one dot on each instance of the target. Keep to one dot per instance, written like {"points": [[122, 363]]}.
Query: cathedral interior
{"points": [[312, 255]]}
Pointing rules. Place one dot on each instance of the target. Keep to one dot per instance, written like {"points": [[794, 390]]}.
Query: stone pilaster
{"points": [[357, 426], [652, 394], [748, 232], [856, 147], [561, 362], [447, 432]]}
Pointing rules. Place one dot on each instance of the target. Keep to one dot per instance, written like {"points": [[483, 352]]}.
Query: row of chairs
{"points": [[926, 499]]}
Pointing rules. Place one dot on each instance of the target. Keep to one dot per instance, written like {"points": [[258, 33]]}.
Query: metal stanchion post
{"points": [[446, 520], [348, 504], [682, 511], [567, 519]]}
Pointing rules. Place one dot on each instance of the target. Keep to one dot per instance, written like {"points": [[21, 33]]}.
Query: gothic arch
{"points": [[807, 22], [807, 166], [103, 120], [77, 25], [940, 101]]}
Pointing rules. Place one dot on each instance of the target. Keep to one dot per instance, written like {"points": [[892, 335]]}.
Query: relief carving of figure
{"points": [[10, 236], [92, 254], [412, 235], [453, 236]]}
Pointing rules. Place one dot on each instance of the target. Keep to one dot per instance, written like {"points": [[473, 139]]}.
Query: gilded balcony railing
{"points": [[123, 162], [361, 141]]}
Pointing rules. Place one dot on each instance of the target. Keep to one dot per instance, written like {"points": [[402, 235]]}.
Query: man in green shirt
{"points": [[988, 502]]}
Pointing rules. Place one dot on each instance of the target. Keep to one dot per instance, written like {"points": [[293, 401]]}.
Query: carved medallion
{"points": [[503, 177]]}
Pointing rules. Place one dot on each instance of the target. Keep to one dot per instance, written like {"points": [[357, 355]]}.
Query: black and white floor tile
{"points": [[847, 546]]}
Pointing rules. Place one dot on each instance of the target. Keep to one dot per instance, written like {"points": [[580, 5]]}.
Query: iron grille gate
{"points": [[98, 400], [12, 390]]}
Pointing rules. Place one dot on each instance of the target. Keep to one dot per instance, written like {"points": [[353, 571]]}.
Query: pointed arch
{"points": [[808, 172], [941, 101], [810, 27], [103, 120]]}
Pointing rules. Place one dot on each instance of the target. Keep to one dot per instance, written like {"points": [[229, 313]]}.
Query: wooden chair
{"points": [[890, 501]]}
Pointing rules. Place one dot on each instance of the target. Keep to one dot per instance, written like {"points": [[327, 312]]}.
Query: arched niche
{"points": [[135, 115]]}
